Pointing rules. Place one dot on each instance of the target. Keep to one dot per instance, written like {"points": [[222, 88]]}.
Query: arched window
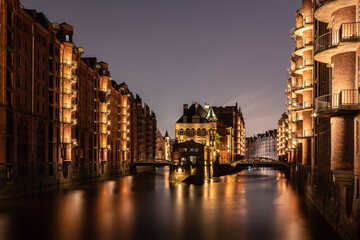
{"points": [[199, 132], [204, 132], [181, 131], [187, 132], [67, 38], [192, 132]]}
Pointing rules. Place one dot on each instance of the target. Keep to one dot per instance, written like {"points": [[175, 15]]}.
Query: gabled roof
{"points": [[198, 112]]}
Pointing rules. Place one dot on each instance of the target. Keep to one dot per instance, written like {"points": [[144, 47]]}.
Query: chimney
{"points": [[207, 107], [185, 108]]}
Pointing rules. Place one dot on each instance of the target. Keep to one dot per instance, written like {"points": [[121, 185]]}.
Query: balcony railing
{"points": [[347, 32], [306, 20], [308, 83], [302, 106], [345, 99], [304, 133]]}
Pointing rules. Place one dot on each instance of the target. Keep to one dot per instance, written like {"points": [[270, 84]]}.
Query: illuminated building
{"points": [[63, 118], [300, 88], [322, 122], [222, 128], [143, 131], [263, 145], [231, 128], [282, 143], [160, 146]]}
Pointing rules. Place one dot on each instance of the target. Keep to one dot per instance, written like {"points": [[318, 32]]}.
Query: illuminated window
{"points": [[181, 131], [67, 38]]}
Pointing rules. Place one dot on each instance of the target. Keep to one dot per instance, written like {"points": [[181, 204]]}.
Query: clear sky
{"points": [[173, 52]]}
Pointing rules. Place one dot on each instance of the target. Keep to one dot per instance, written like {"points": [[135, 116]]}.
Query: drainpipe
{"points": [[32, 89]]}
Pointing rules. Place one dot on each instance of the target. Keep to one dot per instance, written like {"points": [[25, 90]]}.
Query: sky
{"points": [[175, 52]]}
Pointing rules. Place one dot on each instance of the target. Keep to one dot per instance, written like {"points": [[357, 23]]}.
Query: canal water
{"points": [[252, 204]]}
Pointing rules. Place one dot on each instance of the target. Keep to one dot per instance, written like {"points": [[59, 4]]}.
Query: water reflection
{"points": [[257, 204]]}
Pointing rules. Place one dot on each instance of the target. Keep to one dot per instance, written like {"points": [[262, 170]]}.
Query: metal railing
{"points": [[305, 84], [348, 98], [302, 105], [347, 32], [304, 133]]}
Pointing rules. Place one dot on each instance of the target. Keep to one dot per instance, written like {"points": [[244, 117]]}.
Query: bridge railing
{"points": [[257, 161]]}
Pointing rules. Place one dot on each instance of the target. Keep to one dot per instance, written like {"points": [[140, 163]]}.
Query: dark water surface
{"points": [[258, 204]]}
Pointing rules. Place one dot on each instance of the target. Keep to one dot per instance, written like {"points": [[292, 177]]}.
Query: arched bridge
{"points": [[154, 162], [259, 162]]}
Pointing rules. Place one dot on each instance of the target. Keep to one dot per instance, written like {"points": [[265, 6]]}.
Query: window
{"points": [[67, 38], [204, 132], [181, 132]]}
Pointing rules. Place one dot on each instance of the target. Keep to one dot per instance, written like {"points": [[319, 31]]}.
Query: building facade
{"points": [[221, 128], [231, 128], [263, 145], [326, 153], [163, 147], [63, 118]]}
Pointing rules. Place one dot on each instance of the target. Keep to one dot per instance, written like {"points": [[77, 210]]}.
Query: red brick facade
{"points": [[63, 118]]}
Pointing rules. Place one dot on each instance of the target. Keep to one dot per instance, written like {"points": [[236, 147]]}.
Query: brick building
{"points": [[263, 145], [143, 131], [63, 118], [323, 132], [163, 146], [231, 128]]}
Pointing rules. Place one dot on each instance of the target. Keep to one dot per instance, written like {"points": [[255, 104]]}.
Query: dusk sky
{"points": [[173, 52]]}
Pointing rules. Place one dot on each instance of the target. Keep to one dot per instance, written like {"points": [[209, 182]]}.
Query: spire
{"points": [[167, 134], [211, 113]]}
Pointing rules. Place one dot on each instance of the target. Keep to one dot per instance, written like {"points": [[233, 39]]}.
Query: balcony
{"points": [[337, 103], [324, 9], [307, 45], [305, 24], [346, 39], [70, 63], [304, 86], [303, 106], [69, 77], [308, 64], [306, 133]]}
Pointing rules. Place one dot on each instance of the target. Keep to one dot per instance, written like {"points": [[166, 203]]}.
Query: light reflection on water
{"points": [[257, 204]]}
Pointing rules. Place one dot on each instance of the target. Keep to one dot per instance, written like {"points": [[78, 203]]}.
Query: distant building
{"points": [[262, 145], [163, 146], [221, 128], [192, 153], [231, 128], [283, 140]]}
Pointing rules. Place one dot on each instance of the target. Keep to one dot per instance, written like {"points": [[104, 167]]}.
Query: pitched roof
{"points": [[193, 111]]}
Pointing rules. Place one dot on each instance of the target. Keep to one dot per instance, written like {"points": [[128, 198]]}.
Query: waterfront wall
{"points": [[36, 178], [333, 196]]}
